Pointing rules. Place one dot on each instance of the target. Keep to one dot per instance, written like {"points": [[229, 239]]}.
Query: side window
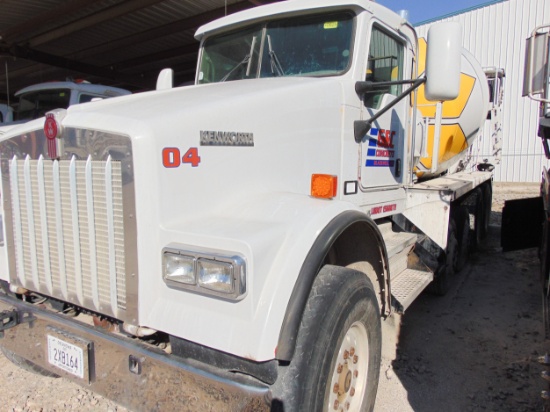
{"points": [[385, 64], [85, 98]]}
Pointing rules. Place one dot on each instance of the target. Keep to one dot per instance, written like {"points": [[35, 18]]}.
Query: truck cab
{"points": [[250, 235]]}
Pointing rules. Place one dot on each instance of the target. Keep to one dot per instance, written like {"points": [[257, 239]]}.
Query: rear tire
{"points": [[462, 218], [442, 282], [482, 214], [338, 351], [26, 364], [487, 191]]}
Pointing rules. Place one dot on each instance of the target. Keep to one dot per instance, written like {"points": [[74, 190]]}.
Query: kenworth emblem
{"points": [[212, 138], [53, 130]]}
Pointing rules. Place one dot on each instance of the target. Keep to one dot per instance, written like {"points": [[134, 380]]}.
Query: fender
{"points": [[310, 268]]}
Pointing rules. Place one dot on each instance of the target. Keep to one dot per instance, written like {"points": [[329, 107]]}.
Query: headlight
{"points": [[179, 268], [215, 275], [205, 272]]}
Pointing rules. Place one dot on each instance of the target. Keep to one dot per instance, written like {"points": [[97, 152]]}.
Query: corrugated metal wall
{"points": [[495, 34]]}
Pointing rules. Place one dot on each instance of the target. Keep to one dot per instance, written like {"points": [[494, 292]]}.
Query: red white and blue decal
{"points": [[381, 150]]}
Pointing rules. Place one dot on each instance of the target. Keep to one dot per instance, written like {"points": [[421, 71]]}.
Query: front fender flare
{"points": [[309, 270]]}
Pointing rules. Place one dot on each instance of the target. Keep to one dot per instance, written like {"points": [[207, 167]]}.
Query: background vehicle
{"points": [[255, 237], [6, 113], [527, 220], [36, 100]]}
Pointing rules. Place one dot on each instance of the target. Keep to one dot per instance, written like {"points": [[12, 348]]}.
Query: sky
{"points": [[421, 10]]}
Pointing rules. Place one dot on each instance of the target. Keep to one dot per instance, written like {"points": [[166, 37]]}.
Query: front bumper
{"points": [[128, 371]]}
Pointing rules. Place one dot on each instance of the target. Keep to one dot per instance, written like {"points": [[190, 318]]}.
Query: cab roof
{"points": [[294, 7]]}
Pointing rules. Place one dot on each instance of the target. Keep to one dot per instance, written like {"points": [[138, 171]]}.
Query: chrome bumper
{"points": [[127, 371]]}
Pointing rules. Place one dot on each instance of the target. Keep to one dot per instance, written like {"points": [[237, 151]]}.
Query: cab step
{"points": [[406, 287], [406, 282]]}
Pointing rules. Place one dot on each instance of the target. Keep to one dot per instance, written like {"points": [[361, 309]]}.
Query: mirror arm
{"points": [[360, 127], [363, 87]]}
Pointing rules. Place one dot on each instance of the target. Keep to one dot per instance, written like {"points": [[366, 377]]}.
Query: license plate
{"points": [[66, 356]]}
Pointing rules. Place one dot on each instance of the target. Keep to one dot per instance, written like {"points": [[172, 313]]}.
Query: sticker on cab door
{"points": [[381, 149]]}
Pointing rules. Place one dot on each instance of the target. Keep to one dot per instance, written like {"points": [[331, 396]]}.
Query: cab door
{"points": [[382, 149]]}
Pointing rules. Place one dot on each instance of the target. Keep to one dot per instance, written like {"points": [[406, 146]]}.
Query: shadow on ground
{"points": [[476, 348]]}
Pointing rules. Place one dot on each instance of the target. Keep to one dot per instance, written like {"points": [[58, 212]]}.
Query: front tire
{"points": [[336, 364]]}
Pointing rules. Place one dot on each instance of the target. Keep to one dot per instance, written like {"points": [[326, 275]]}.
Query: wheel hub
{"points": [[347, 385], [348, 381]]}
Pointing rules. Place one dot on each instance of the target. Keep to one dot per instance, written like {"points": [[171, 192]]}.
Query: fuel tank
{"points": [[462, 117]]}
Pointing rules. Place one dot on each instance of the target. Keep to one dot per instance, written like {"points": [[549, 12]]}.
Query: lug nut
{"points": [[336, 388], [340, 368], [346, 354], [355, 359], [355, 373], [347, 406], [336, 404], [352, 351], [352, 391]]}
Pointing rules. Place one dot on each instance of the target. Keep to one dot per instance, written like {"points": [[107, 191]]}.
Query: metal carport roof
{"points": [[116, 42]]}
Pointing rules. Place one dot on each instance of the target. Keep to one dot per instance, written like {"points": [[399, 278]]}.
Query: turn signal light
{"points": [[324, 186]]}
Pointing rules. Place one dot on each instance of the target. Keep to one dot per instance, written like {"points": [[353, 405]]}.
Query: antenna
{"points": [[7, 83], [226, 7]]}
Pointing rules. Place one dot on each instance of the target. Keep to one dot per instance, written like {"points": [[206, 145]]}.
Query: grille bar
{"points": [[111, 232], [76, 231], [17, 221], [59, 231], [91, 230], [44, 223], [30, 220], [68, 230]]}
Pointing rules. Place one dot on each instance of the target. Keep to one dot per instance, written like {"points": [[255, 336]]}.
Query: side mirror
{"points": [[443, 61], [536, 63], [165, 79]]}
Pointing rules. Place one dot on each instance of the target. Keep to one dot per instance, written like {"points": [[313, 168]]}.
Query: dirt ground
{"points": [[477, 348], [474, 349]]}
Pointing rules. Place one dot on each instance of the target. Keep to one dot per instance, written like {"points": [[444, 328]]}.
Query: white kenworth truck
{"points": [[248, 242]]}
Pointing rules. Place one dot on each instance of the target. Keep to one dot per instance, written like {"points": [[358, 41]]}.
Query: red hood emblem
{"points": [[53, 131]]}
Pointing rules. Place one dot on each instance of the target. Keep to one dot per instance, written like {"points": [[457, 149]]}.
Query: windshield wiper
{"points": [[237, 66], [275, 63], [247, 60]]}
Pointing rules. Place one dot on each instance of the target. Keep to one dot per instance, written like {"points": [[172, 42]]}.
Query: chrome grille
{"points": [[68, 230]]}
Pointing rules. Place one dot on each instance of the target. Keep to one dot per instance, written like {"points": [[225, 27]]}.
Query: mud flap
{"points": [[522, 221]]}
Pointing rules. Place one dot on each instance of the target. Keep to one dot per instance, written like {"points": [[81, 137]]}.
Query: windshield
{"points": [[306, 46], [33, 105]]}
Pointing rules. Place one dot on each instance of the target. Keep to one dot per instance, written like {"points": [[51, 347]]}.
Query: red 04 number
{"points": [[171, 157]]}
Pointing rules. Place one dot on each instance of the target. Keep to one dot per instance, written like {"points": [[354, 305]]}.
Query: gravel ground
{"points": [[474, 349]]}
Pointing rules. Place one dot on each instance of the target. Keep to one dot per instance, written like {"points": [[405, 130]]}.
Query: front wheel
{"points": [[336, 364]]}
